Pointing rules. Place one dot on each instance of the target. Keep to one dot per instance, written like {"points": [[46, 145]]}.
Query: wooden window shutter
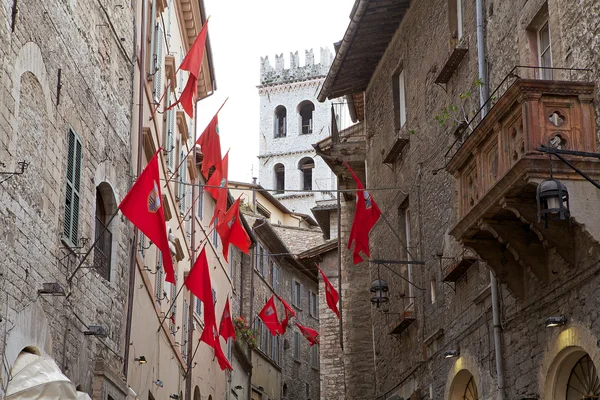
{"points": [[158, 62], [73, 186]]}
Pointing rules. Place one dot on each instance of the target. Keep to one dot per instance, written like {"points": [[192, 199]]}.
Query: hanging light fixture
{"points": [[140, 359], [379, 289], [552, 201]]}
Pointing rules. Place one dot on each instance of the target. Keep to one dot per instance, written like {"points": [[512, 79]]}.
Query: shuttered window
{"points": [[174, 307], [296, 346], [73, 185], [200, 201], [185, 329], [182, 187], [157, 62], [198, 307], [169, 138], [159, 278], [296, 293]]}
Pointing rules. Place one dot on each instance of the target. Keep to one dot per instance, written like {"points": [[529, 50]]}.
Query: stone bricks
{"points": [[379, 365], [37, 111]]}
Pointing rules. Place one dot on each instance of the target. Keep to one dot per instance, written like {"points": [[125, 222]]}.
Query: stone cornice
{"points": [[289, 86], [286, 153]]}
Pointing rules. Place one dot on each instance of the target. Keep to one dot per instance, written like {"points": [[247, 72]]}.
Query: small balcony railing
{"points": [[102, 250], [520, 72]]}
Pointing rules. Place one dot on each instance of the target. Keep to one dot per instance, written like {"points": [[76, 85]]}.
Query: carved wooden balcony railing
{"points": [[497, 170]]}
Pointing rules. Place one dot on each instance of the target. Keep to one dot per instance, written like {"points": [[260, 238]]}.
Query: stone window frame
{"points": [[399, 97]]}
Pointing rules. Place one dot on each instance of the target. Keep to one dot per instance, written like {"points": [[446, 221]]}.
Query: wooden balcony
{"points": [[497, 170]]}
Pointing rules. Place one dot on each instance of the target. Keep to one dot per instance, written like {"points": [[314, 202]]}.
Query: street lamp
{"points": [[552, 322], [379, 289], [552, 200]]}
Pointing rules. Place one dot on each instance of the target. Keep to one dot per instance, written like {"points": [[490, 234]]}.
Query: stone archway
{"points": [[569, 370], [463, 387]]}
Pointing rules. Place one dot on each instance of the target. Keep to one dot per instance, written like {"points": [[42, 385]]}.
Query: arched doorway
{"points": [[464, 387], [573, 376]]}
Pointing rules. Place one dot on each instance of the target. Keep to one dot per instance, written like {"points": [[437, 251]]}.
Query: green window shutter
{"points": [[73, 185], [182, 180], [159, 278], [158, 62], [185, 329], [142, 248], [169, 139]]}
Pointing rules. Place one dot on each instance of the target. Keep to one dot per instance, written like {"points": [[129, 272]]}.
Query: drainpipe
{"points": [[483, 96], [132, 264]]}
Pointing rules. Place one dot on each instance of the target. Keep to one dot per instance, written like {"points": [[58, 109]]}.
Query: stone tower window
{"points": [[306, 109], [280, 122], [306, 166], [279, 178]]}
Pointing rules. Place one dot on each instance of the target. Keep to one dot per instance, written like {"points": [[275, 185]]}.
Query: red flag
{"points": [[198, 282], [192, 63], [219, 193], [143, 207], [310, 334], [366, 215], [331, 294], [269, 316], [210, 144], [211, 338], [289, 313], [226, 328], [231, 231]]}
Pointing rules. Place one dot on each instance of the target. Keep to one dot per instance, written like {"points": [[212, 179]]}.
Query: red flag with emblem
{"points": [[289, 313], [210, 145], [217, 187], [310, 334], [331, 295], [198, 282], [269, 316], [231, 231], [143, 207], [366, 215], [192, 63], [226, 329]]}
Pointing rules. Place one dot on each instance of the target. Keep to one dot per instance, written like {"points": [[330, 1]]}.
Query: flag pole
{"points": [[87, 253], [193, 147], [189, 369], [190, 338], [192, 206], [170, 307]]}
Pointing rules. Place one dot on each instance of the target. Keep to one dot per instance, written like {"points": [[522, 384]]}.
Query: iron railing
{"points": [[464, 129], [102, 250]]}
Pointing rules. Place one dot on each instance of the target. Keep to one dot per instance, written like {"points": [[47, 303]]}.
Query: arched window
{"points": [[280, 122], [306, 166], [306, 109], [197, 394], [103, 236], [285, 390], [279, 178]]}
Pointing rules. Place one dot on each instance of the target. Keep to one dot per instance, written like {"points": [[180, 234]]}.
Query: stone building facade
{"points": [[456, 182], [284, 366], [290, 121], [65, 111]]}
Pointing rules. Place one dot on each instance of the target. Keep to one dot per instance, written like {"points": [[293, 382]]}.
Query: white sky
{"points": [[241, 31]]}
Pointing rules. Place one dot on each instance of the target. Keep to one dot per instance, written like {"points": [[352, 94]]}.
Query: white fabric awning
{"points": [[35, 377]]}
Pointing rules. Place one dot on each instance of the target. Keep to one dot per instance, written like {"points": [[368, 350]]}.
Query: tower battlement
{"points": [[295, 72]]}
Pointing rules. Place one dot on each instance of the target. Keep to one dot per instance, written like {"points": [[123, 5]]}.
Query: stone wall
{"points": [[89, 46], [457, 316]]}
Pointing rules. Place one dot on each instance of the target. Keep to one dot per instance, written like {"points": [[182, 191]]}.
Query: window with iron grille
{"points": [[73, 185]]}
